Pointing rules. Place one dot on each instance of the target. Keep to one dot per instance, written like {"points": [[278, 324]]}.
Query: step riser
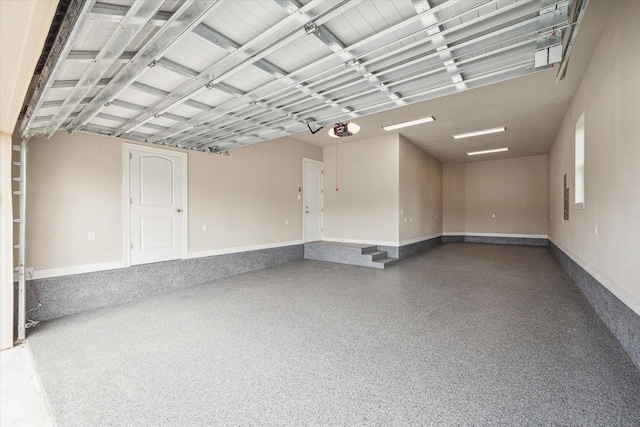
{"points": [[362, 256], [377, 255]]}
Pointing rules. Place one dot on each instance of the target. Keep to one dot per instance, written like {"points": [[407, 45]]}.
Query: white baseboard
{"points": [[76, 269], [622, 294], [213, 252], [515, 236], [382, 242], [419, 239], [92, 268], [360, 241]]}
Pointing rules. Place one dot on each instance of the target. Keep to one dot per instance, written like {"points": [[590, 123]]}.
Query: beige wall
{"points": [[24, 26], [453, 198], [23, 29], [76, 184], [609, 96], [366, 206], [420, 193], [6, 244], [246, 198], [514, 190]]}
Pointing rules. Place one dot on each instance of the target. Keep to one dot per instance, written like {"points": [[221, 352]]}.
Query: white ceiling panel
{"points": [[213, 97], [162, 78], [301, 52], [249, 79], [243, 21], [232, 73], [139, 97], [196, 53]]}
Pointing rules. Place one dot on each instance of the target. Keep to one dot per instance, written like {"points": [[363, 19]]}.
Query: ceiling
{"points": [[218, 75]]}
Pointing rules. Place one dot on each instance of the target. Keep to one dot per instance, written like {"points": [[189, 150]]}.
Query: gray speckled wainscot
{"points": [[66, 295], [623, 322]]}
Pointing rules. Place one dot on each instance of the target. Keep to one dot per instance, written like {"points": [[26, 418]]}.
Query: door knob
{"points": [[178, 210]]}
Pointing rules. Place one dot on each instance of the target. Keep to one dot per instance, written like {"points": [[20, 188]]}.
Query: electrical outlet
{"points": [[205, 227], [91, 235], [493, 215]]}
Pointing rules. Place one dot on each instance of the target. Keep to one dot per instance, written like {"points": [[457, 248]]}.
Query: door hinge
{"points": [[130, 156], [131, 201], [132, 246]]}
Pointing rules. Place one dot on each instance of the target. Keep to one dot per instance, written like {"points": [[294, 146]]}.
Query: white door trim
{"points": [[126, 182], [304, 189]]}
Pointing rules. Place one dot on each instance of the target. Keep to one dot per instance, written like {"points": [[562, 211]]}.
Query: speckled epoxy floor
{"points": [[464, 334]]}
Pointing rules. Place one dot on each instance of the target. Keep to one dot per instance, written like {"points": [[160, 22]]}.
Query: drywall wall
{"points": [[453, 198], [6, 244], [498, 197], [24, 26], [365, 206], [514, 190], [420, 197], [76, 186], [23, 29], [604, 237], [247, 198]]}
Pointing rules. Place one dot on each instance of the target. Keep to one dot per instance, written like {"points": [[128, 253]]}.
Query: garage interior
{"points": [[194, 193]]}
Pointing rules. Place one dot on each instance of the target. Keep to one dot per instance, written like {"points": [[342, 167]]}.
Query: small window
{"points": [[579, 175]]}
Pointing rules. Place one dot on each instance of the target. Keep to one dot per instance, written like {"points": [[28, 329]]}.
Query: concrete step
{"points": [[386, 262], [347, 253], [375, 255]]}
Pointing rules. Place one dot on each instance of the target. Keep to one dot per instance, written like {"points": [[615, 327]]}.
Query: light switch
{"points": [[205, 227], [91, 235], [299, 197]]}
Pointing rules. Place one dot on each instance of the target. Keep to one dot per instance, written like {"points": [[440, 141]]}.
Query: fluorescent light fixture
{"points": [[410, 123], [495, 150], [479, 132]]}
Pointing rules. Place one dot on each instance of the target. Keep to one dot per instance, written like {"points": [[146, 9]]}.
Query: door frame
{"points": [[126, 182], [304, 189]]}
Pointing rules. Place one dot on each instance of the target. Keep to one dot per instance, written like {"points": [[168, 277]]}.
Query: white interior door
{"points": [[157, 205], [312, 200]]}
